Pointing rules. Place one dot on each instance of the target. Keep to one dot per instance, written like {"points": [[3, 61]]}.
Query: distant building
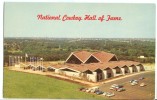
{"points": [[142, 57]]}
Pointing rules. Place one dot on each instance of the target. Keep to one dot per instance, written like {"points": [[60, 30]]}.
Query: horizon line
{"points": [[90, 37]]}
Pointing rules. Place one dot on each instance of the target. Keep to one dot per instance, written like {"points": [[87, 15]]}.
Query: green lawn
{"points": [[25, 85]]}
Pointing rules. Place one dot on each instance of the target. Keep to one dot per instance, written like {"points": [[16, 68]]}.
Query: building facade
{"points": [[96, 66]]}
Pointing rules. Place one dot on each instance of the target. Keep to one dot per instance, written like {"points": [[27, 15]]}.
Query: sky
{"points": [[138, 20]]}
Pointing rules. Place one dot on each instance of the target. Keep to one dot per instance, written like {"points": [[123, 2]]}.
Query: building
{"points": [[95, 66]]}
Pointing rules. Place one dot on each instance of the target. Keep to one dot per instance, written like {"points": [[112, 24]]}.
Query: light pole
{"points": [[41, 59], [26, 58], [9, 60]]}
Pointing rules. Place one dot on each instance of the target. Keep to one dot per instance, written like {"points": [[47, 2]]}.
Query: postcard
{"points": [[79, 50]]}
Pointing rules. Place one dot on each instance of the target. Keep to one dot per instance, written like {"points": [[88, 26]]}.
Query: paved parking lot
{"points": [[134, 92]]}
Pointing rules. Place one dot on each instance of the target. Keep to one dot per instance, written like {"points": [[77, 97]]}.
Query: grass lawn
{"points": [[25, 85]]}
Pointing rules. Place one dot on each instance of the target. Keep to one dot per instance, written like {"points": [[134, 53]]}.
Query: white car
{"points": [[110, 94], [88, 90], [121, 89], [92, 90], [114, 85], [134, 83], [105, 93], [142, 84], [114, 88], [96, 87]]}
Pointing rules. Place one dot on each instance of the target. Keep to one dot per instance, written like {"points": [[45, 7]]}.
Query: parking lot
{"points": [[133, 92]]}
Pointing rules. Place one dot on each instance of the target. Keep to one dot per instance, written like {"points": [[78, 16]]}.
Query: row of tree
{"points": [[59, 49]]}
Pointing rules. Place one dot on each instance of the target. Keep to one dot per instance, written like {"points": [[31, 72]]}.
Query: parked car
{"points": [[142, 84], [92, 90], [81, 88], [141, 78], [121, 89], [117, 89], [96, 90], [114, 88], [116, 85], [134, 83], [105, 93], [88, 90], [110, 94], [99, 92], [84, 90], [96, 87]]}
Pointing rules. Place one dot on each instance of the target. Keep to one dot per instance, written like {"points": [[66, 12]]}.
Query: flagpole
{"points": [[30, 59], [9, 60], [25, 60]]}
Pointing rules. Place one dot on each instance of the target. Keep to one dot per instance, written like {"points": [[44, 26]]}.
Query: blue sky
{"points": [[138, 20]]}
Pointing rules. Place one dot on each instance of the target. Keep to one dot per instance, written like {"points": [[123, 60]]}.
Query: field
{"points": [[134, 92], [25, 85]]}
